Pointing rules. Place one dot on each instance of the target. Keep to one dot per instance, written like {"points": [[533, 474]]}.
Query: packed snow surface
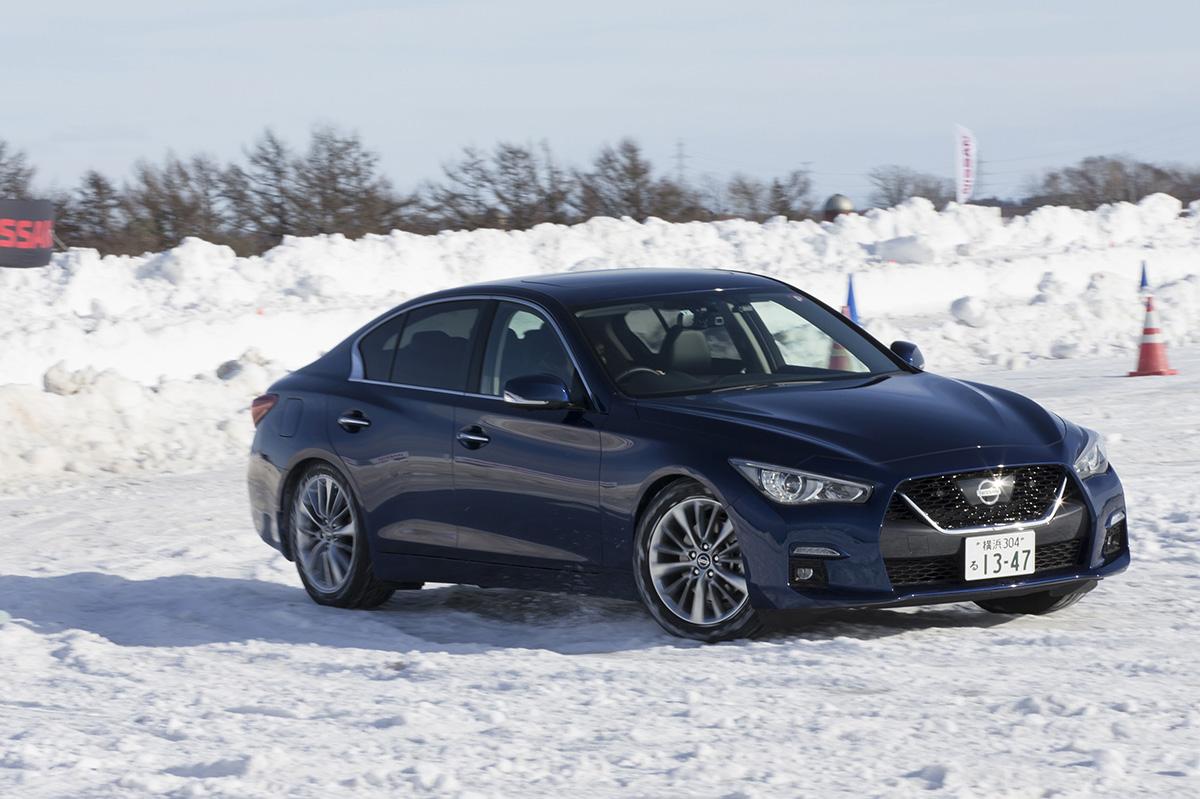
{"points": [[157, 648], [121, 364]]}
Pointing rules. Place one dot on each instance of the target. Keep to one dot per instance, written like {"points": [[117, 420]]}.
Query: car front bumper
{"points": [[859, 575]]}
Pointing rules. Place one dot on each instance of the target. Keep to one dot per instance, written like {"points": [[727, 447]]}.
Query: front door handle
{"points": [[472, 437], [353, 421]]}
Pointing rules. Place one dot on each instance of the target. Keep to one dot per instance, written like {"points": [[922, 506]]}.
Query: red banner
{"points": [[26, 232]]}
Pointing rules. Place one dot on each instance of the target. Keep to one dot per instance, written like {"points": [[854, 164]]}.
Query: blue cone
{"points": [[850, 303], [1145, 285]]}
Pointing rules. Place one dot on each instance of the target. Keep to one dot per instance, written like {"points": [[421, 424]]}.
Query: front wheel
{"points": [[329, 543], [689, 568], [1034, 604]]}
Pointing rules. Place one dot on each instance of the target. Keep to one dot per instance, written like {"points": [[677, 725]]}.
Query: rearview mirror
{"points": [[909, 353], [537, 391]]}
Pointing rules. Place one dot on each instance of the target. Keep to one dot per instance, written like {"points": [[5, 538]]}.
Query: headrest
{"points": [[689, 352]]}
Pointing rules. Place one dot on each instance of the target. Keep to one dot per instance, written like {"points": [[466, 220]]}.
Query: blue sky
{"points": [[755, 87]]}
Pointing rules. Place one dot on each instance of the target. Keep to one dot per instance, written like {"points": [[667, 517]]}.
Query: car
{"points": [[720, 446]]}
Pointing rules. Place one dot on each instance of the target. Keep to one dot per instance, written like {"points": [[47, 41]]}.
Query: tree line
{"points": [[335, 184]]}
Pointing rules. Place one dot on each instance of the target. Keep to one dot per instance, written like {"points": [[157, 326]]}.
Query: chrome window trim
{"points": [[356, 366], [994, 528]]}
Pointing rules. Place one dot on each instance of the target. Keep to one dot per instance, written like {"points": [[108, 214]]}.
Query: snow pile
{"points": [[86, 421], [111, 363]]}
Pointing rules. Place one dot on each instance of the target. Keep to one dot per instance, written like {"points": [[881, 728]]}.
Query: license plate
{"points": [[1005, 555]]}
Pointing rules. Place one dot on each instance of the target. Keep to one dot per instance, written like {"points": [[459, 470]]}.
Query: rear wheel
{"points": [[1034, 604], [689, 568], [330, 544]]}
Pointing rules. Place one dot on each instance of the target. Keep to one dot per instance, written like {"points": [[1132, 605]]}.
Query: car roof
{"points": [[613, 285]]}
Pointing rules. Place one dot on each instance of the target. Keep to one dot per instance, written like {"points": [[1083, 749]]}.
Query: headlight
{"points": [[794, 487], [1092, 460]]}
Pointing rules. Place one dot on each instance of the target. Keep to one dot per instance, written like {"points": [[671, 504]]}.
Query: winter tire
{"points": [[330, 544], [688, 566]]}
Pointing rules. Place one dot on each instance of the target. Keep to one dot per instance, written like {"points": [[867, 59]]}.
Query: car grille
{"points": [[949, 569], [1034, 490]]}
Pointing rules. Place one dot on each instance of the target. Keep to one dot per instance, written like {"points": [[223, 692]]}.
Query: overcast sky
{"points": [[746, 86]]}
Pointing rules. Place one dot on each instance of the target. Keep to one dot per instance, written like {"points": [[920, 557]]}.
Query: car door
{"points": [[395, 425], [526, 480]]}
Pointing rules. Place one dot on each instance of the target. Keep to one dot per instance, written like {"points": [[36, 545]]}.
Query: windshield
{"points": [[711, 340]]}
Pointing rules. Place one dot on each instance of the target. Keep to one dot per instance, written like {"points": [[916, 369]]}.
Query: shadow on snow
{"points": [[190, 610]]}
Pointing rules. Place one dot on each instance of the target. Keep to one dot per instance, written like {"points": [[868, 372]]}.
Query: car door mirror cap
{"points": [[537, 391], [909, 353]]}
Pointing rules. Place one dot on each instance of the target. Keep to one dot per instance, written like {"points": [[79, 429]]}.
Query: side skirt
{"points": [[423, 568]]}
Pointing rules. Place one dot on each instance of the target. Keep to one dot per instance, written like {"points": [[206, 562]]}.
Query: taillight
{"points": [[262, 406]]}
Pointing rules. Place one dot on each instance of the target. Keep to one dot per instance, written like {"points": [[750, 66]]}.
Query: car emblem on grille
{"points": [[988, 491], [996, 489]]}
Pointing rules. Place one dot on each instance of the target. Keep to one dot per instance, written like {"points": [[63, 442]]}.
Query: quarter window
{"points": [[378, 347], [434, 348]]}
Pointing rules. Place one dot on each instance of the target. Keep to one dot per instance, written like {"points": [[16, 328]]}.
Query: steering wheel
{"points": [[634, 370]]}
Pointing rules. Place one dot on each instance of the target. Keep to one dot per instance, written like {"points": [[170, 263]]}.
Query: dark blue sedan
{"points": [[719, 445]]}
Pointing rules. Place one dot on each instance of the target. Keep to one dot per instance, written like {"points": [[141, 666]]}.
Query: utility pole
{"points": [[680, 163]]}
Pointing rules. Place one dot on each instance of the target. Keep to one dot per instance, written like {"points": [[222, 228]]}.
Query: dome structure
{"points": [[837, 205]]}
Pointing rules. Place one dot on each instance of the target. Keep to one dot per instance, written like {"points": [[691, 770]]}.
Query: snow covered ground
{"points": [[120, 365], [156, 647]]}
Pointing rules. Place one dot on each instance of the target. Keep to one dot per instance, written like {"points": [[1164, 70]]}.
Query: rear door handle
{"points": [[472, 437], [353, 421]]}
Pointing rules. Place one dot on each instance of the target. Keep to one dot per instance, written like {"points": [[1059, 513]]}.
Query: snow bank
{"points": [[111, 363]]}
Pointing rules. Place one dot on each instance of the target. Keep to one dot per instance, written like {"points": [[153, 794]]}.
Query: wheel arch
{"points": [[660, 480], [300, 466]]}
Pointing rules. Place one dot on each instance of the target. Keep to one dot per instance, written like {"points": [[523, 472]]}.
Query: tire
{"points": [[685, 537], [330, 543], [1034, 604]]}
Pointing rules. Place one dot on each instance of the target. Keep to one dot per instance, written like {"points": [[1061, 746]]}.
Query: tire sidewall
{"points": [[741, 625]]}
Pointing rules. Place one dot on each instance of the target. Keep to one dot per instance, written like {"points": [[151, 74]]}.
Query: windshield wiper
{"points": [[874, 378]]}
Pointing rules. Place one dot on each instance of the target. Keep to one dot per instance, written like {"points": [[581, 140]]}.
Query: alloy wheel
{"points": [[326, 532], [695, 563]]}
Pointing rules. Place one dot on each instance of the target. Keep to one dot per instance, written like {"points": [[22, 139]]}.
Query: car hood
{"points": [[879, 419]]}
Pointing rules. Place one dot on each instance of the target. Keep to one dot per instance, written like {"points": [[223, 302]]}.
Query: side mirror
{"points": [[909, 353], [537, 391]]}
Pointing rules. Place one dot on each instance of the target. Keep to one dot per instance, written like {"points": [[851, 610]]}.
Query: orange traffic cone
{"points": [[1152, 355], [839, 359]]}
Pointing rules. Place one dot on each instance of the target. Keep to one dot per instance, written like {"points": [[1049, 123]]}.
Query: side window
{"points": [[522, 343], [378, 347], [434, 349]]}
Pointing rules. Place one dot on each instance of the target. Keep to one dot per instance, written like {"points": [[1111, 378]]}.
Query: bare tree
{"points": [[339, 188], [620, 183], [791, 195], [514, 186], [894, 184], [262, 194], [16, 175], [1107, 179], [746, 197], [92, 215], [167, 203]]}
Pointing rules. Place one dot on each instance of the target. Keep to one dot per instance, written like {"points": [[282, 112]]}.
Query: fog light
{"points": [[806, 573], [1114, 534]]}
